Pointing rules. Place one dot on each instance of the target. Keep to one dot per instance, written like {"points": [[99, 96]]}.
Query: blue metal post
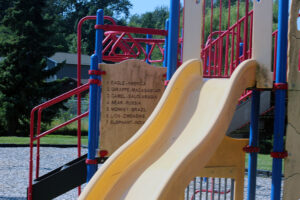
{"points": [[148, 48], [253, 142], [241, 48], [95, 96], [166, 45], [279, 121], [98, 51], [93, 131], [173, 38]]}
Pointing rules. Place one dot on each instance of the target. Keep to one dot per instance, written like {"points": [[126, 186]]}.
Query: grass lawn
{"points": [[49, 139], [264, 162], [72, 126]]}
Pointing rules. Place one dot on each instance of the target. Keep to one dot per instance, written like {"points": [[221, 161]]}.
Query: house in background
{"points": [[69, 70]]}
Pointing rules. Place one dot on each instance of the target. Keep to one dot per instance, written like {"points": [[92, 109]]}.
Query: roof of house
{"points": [[70, 58]]}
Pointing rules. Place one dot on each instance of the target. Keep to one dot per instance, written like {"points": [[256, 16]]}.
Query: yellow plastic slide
{"points": [[177, 140]]}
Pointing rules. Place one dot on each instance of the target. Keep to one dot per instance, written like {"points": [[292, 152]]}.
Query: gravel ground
{"points": [[14, 164]]}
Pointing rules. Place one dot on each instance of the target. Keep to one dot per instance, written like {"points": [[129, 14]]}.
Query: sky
{"points": [[142, 6]]}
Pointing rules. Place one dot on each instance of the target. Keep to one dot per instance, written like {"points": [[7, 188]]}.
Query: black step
{"points": [[60, 180]]}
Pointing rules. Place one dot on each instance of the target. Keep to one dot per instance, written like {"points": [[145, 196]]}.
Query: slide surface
{"points": [[177, 140]]}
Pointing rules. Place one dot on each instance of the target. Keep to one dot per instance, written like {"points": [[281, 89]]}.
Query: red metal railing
{"points": [[119, 46], [213, 51], [35, 129], [79, 27]]}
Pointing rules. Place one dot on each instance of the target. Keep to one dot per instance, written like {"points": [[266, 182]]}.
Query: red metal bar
{"points": [[204, 53], [132, 29], [179, 55], [211, 30], [203, 25], [138, 46], [61, 125], [115, 45], [79, 26], [38, 144], [237, 53], [250, 38], [62, 97], [108, 46], [151, 51], [130, 49], [220, 45], [147, 41], [275, 53], [118, 41], [232, 54], [29, 192], [215, 59], [245, 47]]}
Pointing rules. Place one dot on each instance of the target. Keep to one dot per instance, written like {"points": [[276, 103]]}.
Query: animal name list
{"points": [[126, 100], [130, 92]]}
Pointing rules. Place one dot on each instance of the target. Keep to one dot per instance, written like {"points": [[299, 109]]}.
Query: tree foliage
{"points": [[67, 14], [24, 42], [155, 19], [30, 31]]}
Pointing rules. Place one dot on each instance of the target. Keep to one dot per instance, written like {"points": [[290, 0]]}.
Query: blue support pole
{"points": [[93, 131], [98, 51], [280, 95], [148, 48], [241, 48], [166, 45], [253, 142], [173, 38], [95, 96]]}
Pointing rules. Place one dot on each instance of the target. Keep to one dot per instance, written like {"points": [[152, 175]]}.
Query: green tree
{"points": [[67, 14], [24, 43], [4, 4], [155, 19]]}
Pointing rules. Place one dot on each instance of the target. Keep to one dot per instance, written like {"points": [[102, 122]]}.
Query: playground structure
{"points": [[216, 64]]}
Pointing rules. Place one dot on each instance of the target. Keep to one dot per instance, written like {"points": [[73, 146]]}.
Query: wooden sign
{"points": [[292, 145], [130, 92]]}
